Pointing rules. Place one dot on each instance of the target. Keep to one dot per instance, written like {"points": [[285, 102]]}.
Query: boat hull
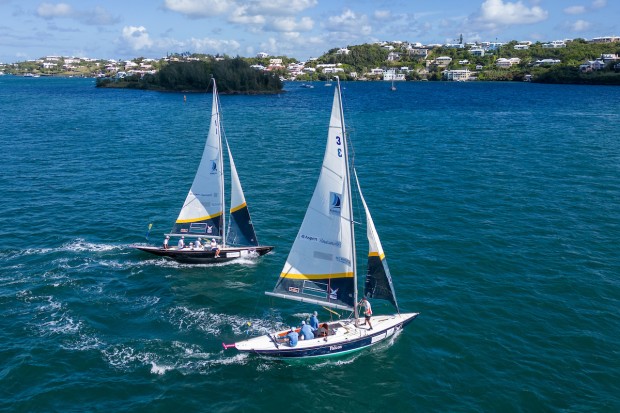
{"points": [[200, 256], [346, 338]]}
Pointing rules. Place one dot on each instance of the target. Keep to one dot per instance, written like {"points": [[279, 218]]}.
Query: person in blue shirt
{"points": [[314, 321], [292, 337], [306, 332]]}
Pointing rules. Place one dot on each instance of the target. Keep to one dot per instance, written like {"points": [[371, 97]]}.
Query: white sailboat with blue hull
{"points": [[321, 265], [202, 215]]}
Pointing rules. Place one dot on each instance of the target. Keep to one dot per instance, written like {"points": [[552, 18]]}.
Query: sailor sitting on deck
{"points": [[181, 244], [291, 337], [215, 248], [306, 331], [166, 242], [197, 243]]}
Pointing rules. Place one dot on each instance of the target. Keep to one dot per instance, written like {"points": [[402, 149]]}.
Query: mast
{"points": [[348, 180], [216, 101]]}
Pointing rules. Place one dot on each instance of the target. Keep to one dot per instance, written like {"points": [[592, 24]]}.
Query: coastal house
{"points": [[554, 44], [605, 39], [493, 45], [343, 51], [458, 75], [547, 62], [258, 67], [464, 62], [391, 75], [478, 51], [521, 46], [328, 70], [608, 58], [376, 71], [443, 61], [262, 55], [418, 52], [393, 56], [504, 63], [49, 65]]}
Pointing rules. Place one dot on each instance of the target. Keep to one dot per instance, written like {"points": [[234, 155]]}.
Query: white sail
{"points": [[203, 208], [241, 230], [378, 282], [320, 265]]}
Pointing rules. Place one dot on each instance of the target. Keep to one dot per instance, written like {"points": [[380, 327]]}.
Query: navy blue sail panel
{"points": [[241, 230], [206, 226], [378, 280], [335, 291]]}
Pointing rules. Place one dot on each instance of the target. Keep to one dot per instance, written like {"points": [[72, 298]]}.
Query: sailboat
{"points": [[321, 265], [393, 88], [202, 216]]}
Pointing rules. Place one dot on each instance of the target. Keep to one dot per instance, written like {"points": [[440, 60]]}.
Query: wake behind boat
{"points": [[321, 266], [202, 220]]}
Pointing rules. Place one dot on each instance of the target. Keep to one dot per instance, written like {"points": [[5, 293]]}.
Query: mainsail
{"points": [[202, 212], [241, 230], [378, 279], [320, 265]]}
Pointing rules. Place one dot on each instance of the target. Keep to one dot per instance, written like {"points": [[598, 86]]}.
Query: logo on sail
{"points": [[335, 203], [333, 294], [213, 166]]}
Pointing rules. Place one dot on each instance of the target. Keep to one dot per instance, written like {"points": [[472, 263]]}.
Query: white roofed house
{"points": [[443, 61], [547, 62], [49, 65], [262, 55], [554, 44], [129, 65], [458, 75], [417, 52], [506, 63], [393, 56], [343, 50]]}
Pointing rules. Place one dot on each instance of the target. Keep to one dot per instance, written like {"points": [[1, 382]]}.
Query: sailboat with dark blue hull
{"points": [[202, 217], [321, 266]]}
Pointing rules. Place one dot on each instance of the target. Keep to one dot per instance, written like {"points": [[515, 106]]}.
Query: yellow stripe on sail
{"points": [[187, 221], [316, 276], [237, 208], [376, 254]]}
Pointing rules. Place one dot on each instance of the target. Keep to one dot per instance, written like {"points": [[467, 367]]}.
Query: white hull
{"points": [[345, 337]]}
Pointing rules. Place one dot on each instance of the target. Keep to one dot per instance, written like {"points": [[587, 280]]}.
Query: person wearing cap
{"points": [[181, 243], [215, 248], [314, 321], [367, 311], [166, 242], [197, 243], [306, 332], [292, 337]]}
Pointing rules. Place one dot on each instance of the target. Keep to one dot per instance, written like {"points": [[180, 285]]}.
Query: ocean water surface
{"points": [[498, 206]]}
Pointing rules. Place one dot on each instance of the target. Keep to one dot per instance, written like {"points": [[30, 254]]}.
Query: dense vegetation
{"points": [[233, 76], [365, 57]]}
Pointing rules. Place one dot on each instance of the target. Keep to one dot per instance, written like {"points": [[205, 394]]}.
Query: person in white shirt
{"points": [[215, 248], [367, 311]]}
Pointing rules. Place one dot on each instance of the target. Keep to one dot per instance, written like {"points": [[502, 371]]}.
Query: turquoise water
{"points": [[498, 205]]}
